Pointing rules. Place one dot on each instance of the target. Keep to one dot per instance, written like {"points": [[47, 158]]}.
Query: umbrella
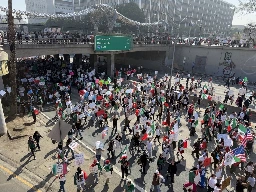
{"points": [[108, 93], [129, 91], [92, 105]]}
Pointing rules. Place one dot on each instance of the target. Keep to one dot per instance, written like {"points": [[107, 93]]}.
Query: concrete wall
{"points": [[218, 61]]}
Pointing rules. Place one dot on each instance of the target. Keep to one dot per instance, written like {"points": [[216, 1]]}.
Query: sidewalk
{"points": [[15, 153]]}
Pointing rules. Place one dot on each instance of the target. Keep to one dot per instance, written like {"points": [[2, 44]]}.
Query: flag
{"points": [[239, 152], [196, 122], [153, 128], [123, 153], [144, 137], [185, 144], [242, 129], [248, 136], [109, 80], [141, 111], [205, 87], [221, 107], [204, 96], [233, 123], [245, 79], [209, 97], [207, 162]]}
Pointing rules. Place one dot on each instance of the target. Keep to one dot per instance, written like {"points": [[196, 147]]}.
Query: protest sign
{"points": [[60, 168], [73, 145], [79, 159]]}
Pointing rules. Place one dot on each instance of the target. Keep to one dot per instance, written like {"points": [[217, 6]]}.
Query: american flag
{"points": [[239, 152], [248, 136]]}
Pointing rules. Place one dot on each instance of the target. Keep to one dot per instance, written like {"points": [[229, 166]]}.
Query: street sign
{"points": [[112, 43]]}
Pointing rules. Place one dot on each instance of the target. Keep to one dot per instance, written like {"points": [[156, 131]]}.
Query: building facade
{"points": [[203, 17]]}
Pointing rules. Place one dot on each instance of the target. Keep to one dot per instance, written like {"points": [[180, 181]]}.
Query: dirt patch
{"points": [[21, 127]]}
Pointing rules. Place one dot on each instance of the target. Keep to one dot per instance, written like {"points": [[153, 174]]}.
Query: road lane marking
{"points": [[19, 178]]}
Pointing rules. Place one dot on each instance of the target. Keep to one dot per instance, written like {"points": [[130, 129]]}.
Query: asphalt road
{"points": [[92, 133], [12, 185]]}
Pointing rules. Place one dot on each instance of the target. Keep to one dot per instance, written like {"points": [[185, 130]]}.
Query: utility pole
{"points": [[12, 63]]}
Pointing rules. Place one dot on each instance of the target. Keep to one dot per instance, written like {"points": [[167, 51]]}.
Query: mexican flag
{"points": [[123, 153], [232, 124], [221, 107], [204, 96], [205, 87], [242, 129], [153, 128], [196, 122], [245, 79], [141, 111]]}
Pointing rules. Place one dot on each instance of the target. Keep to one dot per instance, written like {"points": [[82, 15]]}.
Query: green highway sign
{"points": [[112, 43]]}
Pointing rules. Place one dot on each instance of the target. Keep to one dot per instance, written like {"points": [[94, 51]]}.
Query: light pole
{"points": [[174, 48]]}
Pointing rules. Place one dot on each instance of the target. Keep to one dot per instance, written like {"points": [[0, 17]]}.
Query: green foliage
{"points": [[131, 11], [71, 24], [247, 6]]}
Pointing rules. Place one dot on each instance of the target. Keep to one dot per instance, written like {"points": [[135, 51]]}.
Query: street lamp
{"points": [[174, 47]]}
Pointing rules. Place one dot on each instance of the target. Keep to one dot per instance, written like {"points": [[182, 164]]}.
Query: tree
{"points": [[133, 12], [247, 6], [12, 64], [68, 24]]}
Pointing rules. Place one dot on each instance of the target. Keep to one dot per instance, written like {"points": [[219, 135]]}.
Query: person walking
{"points": [[124, 167], [212, 183], [108, 169], [62, 179], [34, 115], [144, 162], [149, 148], [157, 178], [80, 179], [172, 169], [115, 119], [37, 138], [69, 141], [129, 187], [111, 148], [32, 146]]}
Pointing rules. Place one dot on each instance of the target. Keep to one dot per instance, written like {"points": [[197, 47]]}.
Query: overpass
{"points": [[208, 60], [36, 48]]}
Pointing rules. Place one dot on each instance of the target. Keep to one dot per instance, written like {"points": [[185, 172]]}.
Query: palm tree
{"points": [[12, 63]]}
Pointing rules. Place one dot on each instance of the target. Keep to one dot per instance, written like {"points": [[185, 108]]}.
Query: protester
{"points": [[32, 146]]}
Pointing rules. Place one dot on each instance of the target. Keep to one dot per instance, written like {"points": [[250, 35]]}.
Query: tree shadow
{"points": [[19, 169], [43, 183]]}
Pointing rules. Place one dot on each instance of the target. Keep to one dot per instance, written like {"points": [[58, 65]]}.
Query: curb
{"points": [[89, 149]]}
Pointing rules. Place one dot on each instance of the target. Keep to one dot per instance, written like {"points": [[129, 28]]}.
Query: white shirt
{"points": [[249, 169], [212, 182], [157, 131], [149, 145], [251, 181]]}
